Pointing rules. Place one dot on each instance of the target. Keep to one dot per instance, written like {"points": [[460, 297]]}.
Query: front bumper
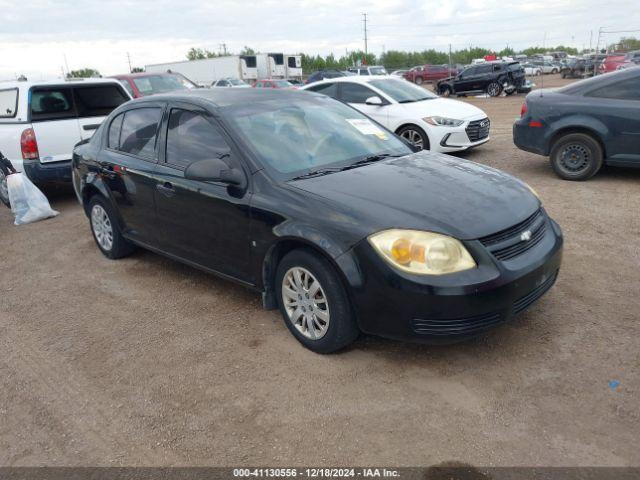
{"points": [[54, 172], [453, 307], [455, 139]]}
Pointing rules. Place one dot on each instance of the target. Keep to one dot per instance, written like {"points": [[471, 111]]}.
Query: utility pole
{"points": [[590, 40], [223, 48], [449, 59], [366, 46], [129, 60], [64, 55]]}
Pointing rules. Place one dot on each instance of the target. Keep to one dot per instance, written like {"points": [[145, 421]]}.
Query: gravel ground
{"points": [[145, 361]]}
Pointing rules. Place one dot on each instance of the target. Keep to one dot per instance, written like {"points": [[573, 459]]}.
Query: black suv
{"points": [[491, 78], [578, 68]]}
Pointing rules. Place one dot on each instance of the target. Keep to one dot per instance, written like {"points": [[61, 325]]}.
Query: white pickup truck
{"points": [[40, 122]]}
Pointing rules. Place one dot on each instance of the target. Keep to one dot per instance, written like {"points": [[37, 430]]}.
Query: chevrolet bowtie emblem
{"points": [[525, 236]]}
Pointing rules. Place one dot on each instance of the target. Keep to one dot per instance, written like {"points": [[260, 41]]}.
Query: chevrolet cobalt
{"points": [[332, 218]]}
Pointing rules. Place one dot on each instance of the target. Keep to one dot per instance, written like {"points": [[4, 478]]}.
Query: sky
{"points": [[41, 38]]}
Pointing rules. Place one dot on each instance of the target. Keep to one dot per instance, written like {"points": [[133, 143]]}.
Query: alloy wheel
{"points": [[305, 302], [575, 158], [493, 89], [102, 228], [413, 137]]}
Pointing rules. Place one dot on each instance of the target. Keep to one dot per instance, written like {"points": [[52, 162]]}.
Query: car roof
{"points": [[358, 79], [55, 82], [222, 97]]}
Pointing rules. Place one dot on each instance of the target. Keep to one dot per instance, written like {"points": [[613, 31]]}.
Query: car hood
{"points": [[424, 191], [443, 107], [447, 79]]}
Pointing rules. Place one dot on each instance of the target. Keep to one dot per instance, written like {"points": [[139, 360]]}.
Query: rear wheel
{"points": [[576, 156], [494, 89], [314, 303], [105, 229], [415, 136], [4, 190]]}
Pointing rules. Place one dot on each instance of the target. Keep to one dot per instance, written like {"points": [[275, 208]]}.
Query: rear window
{"points": [[8, 103], [52, 104], [139, 130], [148, 85], [98, 101]]}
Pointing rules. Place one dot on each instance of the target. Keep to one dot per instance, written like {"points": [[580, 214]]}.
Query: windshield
{"points": [[294, 136], [151, 84], [402, 91], [236, 82], [377, 71]]}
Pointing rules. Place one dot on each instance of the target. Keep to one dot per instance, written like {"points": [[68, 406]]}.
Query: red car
{"points": [[612, 62], [143, 84], [274, 83], [429, 73]]}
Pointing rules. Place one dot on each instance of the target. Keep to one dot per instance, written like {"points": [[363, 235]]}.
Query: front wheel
{"points": [[419, 81], [576, 156], [494, 89], [445, 91], [415, 136], [106, 231], [314, 303]]}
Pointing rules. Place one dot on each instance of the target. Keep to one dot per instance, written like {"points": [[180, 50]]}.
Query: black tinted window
{"points": [[191, 137], [278, 58], [114, 132], [625, 90], [98, 101], [139, 130], [483, 69], [291, 62], [354, 93], [52, 104], [330, 89]]}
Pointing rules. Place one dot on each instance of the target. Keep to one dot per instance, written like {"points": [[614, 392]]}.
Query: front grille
{"points": [[478, 129], [510, 243], [456, 326], [524, 302]]}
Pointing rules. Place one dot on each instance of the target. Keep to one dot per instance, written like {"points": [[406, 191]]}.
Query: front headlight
{"points": [[424, 253], [443, 121]]}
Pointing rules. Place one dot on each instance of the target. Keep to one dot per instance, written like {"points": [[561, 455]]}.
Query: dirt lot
{"points": [[145, 361]]}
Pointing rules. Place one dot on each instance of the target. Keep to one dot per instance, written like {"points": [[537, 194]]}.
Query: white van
{"points": [[40, 122]]}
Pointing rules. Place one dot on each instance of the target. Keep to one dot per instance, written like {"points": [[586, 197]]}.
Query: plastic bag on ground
{"points": [[28, 203]]}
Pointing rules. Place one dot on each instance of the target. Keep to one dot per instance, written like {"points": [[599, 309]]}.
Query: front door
{"points": [[128, 166], [356, 95], [206, 223]]}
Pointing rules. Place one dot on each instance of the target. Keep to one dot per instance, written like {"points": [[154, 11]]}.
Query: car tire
{"points": [[415, 135], [4, 190], [300, 272], [445, 91], [576, 156], [419, 81], [106, 231], [494, 89]]}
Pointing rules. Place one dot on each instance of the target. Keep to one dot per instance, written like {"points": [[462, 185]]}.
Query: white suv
{"points": [[40, 122]]}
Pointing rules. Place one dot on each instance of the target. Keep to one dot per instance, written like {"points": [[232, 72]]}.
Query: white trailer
{"points": [[279, 65], [205, 72]]}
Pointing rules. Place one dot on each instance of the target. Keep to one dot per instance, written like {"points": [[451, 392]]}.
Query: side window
{"points": [[127, 86], [139, 130], [291, 62], [191, 137], [114, 132], [222, 83], [364, 71], [98, 101], [8, 103], [52, 104], [258, 84], [330, 89], [484, 69], [625, 90], [354, 93]]}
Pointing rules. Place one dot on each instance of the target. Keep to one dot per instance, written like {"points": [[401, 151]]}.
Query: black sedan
{"points": [[584, 125], [334, 219]]}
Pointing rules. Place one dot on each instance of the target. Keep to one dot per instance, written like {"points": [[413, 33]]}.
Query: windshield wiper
{"points": [[318, 173], [371, 159]]}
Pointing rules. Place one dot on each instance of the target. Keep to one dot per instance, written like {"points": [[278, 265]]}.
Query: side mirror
{"points": [[375, 100], [215, 170]]}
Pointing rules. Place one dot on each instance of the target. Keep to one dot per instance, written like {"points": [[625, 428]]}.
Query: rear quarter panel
{"points": [[10, 142]]}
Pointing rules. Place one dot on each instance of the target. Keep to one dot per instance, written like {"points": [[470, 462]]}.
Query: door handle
{"points": [[166, 189]]}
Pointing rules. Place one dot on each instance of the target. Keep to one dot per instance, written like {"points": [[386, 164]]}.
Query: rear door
{"points": [[54, 121], [94, 103], [128, 163], [203, 222]]}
